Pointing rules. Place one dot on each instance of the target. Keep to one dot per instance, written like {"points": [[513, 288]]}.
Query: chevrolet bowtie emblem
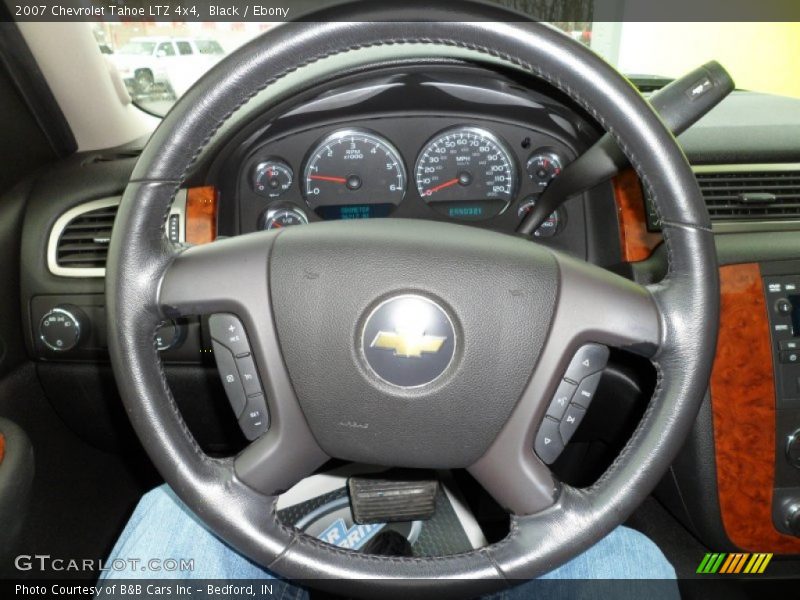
{"points": [[408, 341], [408, 344]]}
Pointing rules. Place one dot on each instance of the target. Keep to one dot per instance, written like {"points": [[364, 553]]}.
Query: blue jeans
{"points": [[163, 528]]}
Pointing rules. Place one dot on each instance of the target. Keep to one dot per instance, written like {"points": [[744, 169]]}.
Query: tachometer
{"points": [[466, 173], [354, 167]]}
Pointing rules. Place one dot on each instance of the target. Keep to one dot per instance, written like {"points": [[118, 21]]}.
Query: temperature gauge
{"points": [[551, 224], [272, 178], [283, 217], [542, 167]]}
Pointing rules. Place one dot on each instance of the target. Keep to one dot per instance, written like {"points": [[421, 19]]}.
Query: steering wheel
{"points": [[511, 314]]}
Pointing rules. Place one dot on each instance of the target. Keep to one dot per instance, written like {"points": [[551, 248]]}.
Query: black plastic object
{"points": [[387, 500], [388, 543], [680, 105]]}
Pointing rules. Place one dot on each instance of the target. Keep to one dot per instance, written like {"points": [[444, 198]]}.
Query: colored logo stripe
{"points": [[758, 563], [737, 562], [711, 563]]}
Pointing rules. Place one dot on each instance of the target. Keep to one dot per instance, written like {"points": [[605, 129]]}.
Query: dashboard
{"points": [[448, 143]]}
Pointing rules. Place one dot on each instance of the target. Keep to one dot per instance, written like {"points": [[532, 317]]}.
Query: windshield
{"points": [[650, 53], [145, 48]]}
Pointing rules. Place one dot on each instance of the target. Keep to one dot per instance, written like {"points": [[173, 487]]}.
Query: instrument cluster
{"points": [[403, 167]]}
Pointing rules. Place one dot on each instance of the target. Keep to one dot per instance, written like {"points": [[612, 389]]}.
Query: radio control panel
{"points": [[782, 295], [783, 304]]}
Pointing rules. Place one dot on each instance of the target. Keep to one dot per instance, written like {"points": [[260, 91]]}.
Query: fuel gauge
{"points": [[272, 178], [283, 217], [551, 224]]}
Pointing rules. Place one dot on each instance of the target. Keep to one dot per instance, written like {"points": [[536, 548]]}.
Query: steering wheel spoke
{"points": [[229, 280], [596, 309], [225, 276], [596, 305]]}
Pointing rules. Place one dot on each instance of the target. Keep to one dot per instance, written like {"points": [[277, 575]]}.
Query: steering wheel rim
{"points": [[148, 278]]}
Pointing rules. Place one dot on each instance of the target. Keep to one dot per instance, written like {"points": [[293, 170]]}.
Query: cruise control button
{"points": [[230, 377], [229, 331], [589, 359], [561, 399], [586, 389], [548, 444], [255, 418], [249, 375], [572, 418]]}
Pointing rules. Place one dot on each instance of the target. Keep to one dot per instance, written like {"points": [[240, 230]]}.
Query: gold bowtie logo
{"points": [[408, 344]]}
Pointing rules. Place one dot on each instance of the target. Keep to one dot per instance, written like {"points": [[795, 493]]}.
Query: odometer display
{"points": [[353, 167], [466, 173]]}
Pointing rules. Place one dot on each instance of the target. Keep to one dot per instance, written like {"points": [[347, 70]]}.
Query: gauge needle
{"points": [[328, 178], [441, 186]]}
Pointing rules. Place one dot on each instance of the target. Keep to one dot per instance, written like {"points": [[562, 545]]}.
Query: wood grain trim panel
{"points": [[637, 242], [201, 214], [743, 408]]}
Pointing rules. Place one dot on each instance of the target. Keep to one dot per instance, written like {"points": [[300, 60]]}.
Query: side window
{"points": [[184, 48], [208, 47], [165, 49]]}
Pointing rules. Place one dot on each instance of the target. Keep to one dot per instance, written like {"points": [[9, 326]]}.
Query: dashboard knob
{"points": [[793, 518], [170, 335], [62, 327]]}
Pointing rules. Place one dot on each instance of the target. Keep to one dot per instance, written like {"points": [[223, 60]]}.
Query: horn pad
{"points": [[409, 342]]}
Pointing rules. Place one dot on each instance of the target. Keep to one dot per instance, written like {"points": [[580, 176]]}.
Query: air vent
{"points": [[84, 241], [755, 194], [78, 242]]}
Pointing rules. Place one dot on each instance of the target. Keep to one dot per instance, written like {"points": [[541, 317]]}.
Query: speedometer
{"points": [[466, 173], [353, 173]]}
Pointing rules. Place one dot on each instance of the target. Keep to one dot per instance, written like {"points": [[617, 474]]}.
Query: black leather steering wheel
{"points": [[484, 409]]}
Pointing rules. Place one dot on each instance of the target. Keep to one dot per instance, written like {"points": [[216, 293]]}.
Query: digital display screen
{"points": [[465, 212], [470, 210], [354, 211], [795, 301]]}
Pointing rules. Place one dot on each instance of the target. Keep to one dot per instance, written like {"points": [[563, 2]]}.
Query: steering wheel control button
{"points": [[589, 359], [229, 374], [408, 341], [229, 331], [254, 421], [585, 394], [569, 423], [248, 375], [789, 345], [548, 444], [60, 329], [561, 399]]}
